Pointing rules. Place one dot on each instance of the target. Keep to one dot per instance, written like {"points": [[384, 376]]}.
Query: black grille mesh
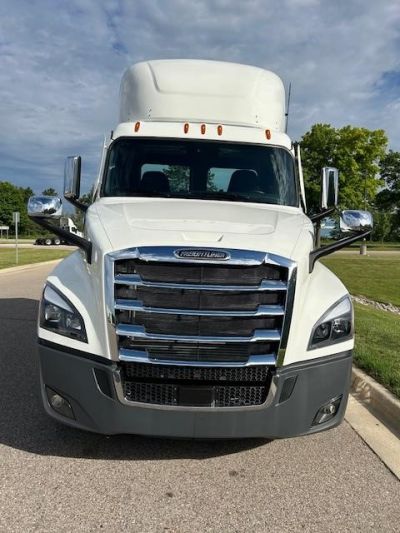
{"points": [[135, 371], [155, 393], [205, 273], [223, 396], [225, 326], [183, 351], [197, 299], [225, 387]]}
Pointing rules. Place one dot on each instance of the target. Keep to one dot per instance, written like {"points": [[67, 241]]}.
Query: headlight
{"points": [[59, 315], [336, 325]]}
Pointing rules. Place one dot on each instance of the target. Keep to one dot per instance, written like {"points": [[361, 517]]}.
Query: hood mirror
{"points": [[352, 220], [45, 207], [330, 187], [72, 177]]}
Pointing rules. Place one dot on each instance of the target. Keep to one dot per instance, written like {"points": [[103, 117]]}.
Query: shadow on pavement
{"points": [[24, 425]]}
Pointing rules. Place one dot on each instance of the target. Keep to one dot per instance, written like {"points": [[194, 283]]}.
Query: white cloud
{"points": [[61, 63]]}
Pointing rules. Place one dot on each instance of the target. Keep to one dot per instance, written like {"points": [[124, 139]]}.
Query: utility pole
{"points": [[16, 218], [363, 245]]}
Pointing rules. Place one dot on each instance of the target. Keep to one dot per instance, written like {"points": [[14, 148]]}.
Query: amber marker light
{"points": [[268, 134], [219, 130], [203, 129], [186, 127], [137, 126]]}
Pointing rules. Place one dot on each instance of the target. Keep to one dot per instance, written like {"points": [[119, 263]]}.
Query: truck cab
{"points": [[196, 305]]}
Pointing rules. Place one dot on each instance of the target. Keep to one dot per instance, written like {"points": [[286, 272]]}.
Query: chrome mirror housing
{"points": [[329, 187], [45, 207], [353, 220], [72, 177]]}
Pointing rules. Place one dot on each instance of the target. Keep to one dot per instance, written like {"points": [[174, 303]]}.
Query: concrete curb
{"points": [[382, 403], [29, 266]]}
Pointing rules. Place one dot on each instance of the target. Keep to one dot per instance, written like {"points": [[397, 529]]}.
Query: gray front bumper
{"points": [[317, 382]]}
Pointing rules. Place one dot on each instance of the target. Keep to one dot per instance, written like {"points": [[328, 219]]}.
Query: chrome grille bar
{"points": [[127, 330], [136, 356], [136, 305], [137, 281]]}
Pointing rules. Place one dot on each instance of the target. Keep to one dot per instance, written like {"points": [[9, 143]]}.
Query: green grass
{"points": [[11, 240], [371, 245], [378, 346], [27, 256], [375, 277], [376, 245]]}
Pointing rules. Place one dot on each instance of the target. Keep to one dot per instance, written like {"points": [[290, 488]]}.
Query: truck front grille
{"points": [[195, 386], [224, 317]]}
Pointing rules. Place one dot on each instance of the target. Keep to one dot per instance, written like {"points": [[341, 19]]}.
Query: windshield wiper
{"points": [[151, 194], [215, 195]]}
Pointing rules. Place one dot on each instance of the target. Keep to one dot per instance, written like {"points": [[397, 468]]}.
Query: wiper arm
{"points": [[151, 194], [215, 195]]}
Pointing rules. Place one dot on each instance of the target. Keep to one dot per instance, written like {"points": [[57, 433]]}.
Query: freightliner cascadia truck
{"points": [[195, 305]]}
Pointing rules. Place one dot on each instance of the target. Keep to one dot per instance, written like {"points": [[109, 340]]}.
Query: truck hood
{"points": [[135, 222]]}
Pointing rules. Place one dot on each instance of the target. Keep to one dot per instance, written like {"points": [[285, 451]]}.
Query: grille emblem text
{"points": [[202, 254]]}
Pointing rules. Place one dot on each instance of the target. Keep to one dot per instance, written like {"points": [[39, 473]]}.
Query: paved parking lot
{"points": [[53, 478]]}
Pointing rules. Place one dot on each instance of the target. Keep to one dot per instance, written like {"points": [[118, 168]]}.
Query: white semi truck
{"points": [[196, 305]]}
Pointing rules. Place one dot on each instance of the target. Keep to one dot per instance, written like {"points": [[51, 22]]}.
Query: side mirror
{"points": [[352, 220], [45, 207], [329, 187], [72, 177]]}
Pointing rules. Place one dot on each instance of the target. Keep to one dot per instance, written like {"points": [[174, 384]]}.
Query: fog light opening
{"points": [[327, 411], [59, 404]]}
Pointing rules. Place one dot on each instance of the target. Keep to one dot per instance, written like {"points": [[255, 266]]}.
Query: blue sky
{"points": [[61, 64]]}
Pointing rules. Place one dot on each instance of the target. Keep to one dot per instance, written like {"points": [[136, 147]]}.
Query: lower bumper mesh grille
{"points": [[219, 396], [139, 371], [195, 386]]}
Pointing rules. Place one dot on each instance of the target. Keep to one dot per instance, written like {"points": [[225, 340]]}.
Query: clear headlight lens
{"points": [[336, 325], [59, 315]]}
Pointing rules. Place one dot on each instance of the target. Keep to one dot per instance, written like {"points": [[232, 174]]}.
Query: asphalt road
{"points": [[53, 478]]}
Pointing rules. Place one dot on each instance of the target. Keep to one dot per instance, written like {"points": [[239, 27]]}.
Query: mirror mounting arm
{"points": [[85, 245], [322, 214], [75, 202], [330, 248]]}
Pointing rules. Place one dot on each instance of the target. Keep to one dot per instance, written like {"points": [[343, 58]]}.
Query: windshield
{"points": [[200, 169]]}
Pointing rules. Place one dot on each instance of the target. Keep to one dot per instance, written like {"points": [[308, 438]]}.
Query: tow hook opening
{"points": [[327, 411]]}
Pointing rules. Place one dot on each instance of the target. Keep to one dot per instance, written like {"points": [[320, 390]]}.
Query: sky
{"points": [[61, 62]]}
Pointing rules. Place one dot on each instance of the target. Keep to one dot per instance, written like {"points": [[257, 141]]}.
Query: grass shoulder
{"points": [[29, 255], [377, 346], [375, 277]]}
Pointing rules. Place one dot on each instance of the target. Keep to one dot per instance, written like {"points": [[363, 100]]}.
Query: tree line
{"points": [[369, 173], [369, 178]]}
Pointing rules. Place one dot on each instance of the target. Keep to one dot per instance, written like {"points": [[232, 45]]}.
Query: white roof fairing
{"points": [[215, 92]]}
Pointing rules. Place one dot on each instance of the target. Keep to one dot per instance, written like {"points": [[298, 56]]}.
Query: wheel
{"points": [[56, 241], [47, 242]]}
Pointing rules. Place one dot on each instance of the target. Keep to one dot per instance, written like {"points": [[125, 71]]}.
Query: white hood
{"points": [[128, 223]]}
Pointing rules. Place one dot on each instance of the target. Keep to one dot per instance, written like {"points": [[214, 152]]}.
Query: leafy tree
{"points": [[356, 152], [79, 215], [12, 199], [179, 179], [50, 192], [382, 226], [390, 170], [388, 199]]}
